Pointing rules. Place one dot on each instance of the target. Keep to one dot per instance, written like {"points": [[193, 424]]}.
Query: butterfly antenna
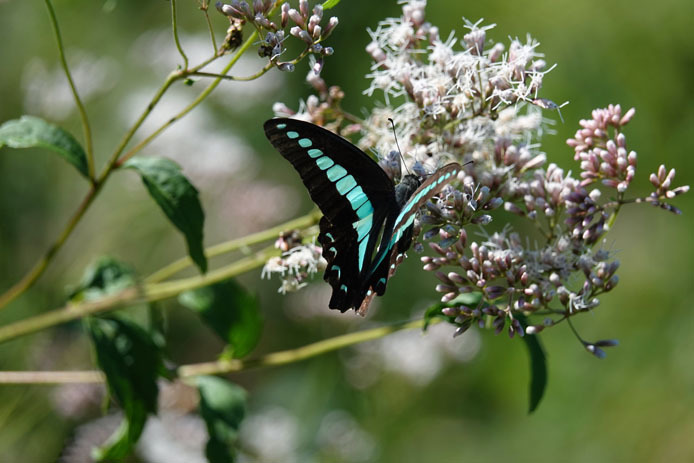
{"points": [[398, 145]]}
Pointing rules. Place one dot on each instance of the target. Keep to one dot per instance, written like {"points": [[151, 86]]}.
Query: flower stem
{"points": [[224, 366]]}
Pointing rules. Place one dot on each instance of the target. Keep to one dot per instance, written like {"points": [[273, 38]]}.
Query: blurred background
{"points": [[408, 397]]}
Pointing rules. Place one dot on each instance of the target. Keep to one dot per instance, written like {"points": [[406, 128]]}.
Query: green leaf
{"points": [[327, 4], [222, 406], [177, 197], [131, 361], [538, 366], [103, 277], [231, 311], [31, 132]]}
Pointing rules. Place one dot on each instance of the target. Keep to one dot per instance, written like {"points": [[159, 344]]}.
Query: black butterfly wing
{"points": [[354, 194], [394, 245]]}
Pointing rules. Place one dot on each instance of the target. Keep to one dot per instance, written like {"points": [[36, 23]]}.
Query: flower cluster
{"points": [[297, 263], [306, 27], [481, 103]]}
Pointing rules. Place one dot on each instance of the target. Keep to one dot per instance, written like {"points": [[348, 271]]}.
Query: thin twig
{"points": [[174, 28], [227, 77], [80, 107], [245, 46], [204, 8]]}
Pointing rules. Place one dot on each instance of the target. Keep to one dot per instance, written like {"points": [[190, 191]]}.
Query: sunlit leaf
{"points": [[231, 311], [33, 132], [177, 197], [131, 361], [222, 406]]}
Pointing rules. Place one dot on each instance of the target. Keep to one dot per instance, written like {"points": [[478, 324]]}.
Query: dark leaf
{"points": [[222, 406], [177, 197], [32, 132], [231, 311], [131, 361], [103, 277], [538, 366]]}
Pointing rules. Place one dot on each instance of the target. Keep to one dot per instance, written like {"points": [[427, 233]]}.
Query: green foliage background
{"points": [[637, 405]]}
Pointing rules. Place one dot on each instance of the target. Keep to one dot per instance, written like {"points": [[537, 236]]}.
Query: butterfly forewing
{"points": [[353, 192]]}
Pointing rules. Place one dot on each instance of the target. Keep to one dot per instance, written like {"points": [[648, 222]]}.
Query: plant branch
{"points": [[232, 245], [51, 377], [225, 366], [131, 296], [80, 107], [170, 79], [244, 47], [298, 354]]}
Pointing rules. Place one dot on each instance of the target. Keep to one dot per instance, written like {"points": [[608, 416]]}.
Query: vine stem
{"points": [[80, 106], [224, 366]]}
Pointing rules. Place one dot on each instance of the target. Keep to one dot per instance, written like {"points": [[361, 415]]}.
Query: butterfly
{"points": [[367, 222]]}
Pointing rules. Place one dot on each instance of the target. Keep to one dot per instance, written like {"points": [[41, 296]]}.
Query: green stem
{"points": [[80, 107], [224, 366], [130, 296], [229, 246], [170, 79], [298, 354], [174, 27]]}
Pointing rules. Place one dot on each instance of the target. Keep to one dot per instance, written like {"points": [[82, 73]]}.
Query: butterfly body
{"points": [[368, 221]]}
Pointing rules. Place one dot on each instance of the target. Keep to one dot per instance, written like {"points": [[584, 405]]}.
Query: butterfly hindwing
{"points": [[394, 246]]}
